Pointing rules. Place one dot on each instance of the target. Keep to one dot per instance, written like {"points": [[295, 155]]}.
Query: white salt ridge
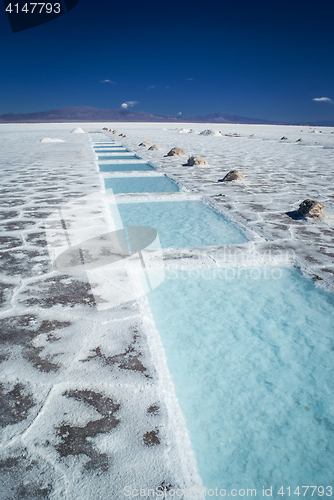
{"points": [[48, 139]]}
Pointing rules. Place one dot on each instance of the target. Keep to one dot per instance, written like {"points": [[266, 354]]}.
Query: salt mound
{"points": [[78, 131], [233, 175], [48, 139], [184, 131], [284, 138], [192, 131], [154, 147], [210, 132], [312, 208], [144, 144], [195, 161], [176, 152]]}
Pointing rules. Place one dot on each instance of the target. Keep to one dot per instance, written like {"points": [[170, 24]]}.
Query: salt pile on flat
{"points": [[78, 130], [48, 139]]}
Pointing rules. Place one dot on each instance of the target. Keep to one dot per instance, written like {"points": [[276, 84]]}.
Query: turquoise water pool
{"points": [[124, 167], [251, 354], [182, 223], [141, 185], [119, 157]]}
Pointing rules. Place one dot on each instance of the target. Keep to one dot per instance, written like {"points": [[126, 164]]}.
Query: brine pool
{"points": [[125, 167], [121, 156], [140, 185], [251, 354], [181, 223]]}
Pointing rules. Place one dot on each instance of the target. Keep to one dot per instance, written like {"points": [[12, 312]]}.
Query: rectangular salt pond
{"points": [[141, 185], [124, 167], [182, 224], [251, 354], [115, 156]]}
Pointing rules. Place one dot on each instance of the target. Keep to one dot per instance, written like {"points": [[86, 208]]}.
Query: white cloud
{"points": [[322, 99], [129, 104], [150, 87], [179, 113], [107, 81]]}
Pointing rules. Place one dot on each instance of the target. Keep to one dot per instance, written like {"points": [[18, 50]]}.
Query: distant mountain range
{"points": [[87, 114]]}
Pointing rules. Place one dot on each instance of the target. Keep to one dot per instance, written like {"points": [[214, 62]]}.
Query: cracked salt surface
{"points": [[65, 364], [78, 386]]}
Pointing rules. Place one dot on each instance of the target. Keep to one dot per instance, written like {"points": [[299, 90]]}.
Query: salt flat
{"points": [[88, 403]]}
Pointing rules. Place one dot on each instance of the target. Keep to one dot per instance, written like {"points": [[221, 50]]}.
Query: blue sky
{"points": [[263, 59]]}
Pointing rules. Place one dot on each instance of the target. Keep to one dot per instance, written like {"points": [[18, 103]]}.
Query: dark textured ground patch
{"points": [[128, 360], [22, 262], [21, 330], [6, 290], [8, 242], [22, 478], [12, 202], [34, 213], [77, 440], [44, 364], [8, 214], [151, 438], [14, 405], [17, 225], [38, 239], [61, 290], [153, 409]]}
